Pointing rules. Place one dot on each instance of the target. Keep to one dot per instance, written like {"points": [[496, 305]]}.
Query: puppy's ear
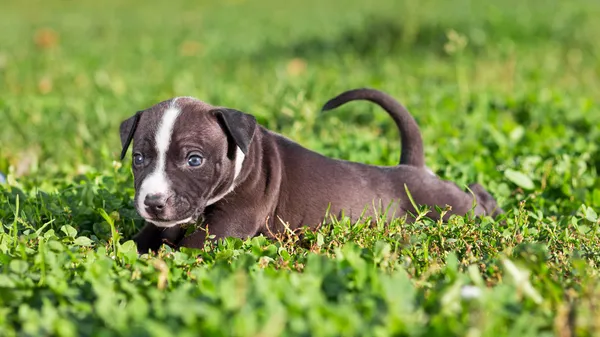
{"points": [[239, 125], [127, 130]]}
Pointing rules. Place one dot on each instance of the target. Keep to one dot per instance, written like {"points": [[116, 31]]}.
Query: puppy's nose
{"points": [[155, 203]]}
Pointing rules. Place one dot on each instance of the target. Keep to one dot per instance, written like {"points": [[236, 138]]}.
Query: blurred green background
{"points": [[71, 71]]}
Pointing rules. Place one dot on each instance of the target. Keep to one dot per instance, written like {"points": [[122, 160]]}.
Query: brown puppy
{"points": [[195, 161]]}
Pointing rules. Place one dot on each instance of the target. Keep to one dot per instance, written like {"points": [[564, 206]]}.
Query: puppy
{"points": [[194, 163]]}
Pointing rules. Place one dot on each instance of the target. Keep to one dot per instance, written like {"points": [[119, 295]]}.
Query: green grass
{"points": [[514, 108]]}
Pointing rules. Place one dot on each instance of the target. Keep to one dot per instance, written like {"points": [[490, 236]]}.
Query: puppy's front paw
{"points": [[169, 243]]}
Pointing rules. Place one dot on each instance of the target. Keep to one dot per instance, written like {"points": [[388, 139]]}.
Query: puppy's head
{"points": [[186, 155]]}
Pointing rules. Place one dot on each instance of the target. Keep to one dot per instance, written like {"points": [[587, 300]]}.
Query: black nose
{"points": [[155, 203]]}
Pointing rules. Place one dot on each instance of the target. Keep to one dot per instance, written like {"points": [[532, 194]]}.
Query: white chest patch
{"points": [[429, 171], [157, 181], [239, 160]]}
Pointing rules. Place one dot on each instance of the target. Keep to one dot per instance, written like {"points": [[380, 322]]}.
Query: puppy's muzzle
{"points": [[156, 204], [166, 209]]}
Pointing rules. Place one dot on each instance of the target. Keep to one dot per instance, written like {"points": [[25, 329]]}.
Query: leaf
{"points": [[6, 282], [128, 247], [19, 266], [271, 250], [69, 231], [83, 241], [180, 258], [497, 136], [284, 254], [475, 276], [517, 134], [590, 214], [191, 251], [596, 197], [520, 279], [55, 246], [583, 229], [224, 254], [113, 231], [128, 250], [520, 179], [452, 263], [320, 240], [382, 251], [49, 234]]}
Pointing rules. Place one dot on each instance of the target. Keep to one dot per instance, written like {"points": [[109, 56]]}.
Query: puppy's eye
{"points": [[194, 160], [138, 159]]}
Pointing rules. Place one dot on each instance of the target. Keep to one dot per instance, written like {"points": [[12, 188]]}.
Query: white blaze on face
{"points": [[157, 182]]}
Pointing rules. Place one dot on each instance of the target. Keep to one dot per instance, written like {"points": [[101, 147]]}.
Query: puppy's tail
{"points": [[410, 135]]}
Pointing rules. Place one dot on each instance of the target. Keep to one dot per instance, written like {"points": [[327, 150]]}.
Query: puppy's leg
{"points": [[463, 201], [198, 237], [151, 237], [486, 200], [194, 240], [437, 192], [148, 239], [222, 225]]}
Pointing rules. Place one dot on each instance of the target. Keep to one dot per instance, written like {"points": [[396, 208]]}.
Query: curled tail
{"points": [[410, 135]]}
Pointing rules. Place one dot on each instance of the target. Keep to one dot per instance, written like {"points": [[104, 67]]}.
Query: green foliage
{"points": [[504, 93]]}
